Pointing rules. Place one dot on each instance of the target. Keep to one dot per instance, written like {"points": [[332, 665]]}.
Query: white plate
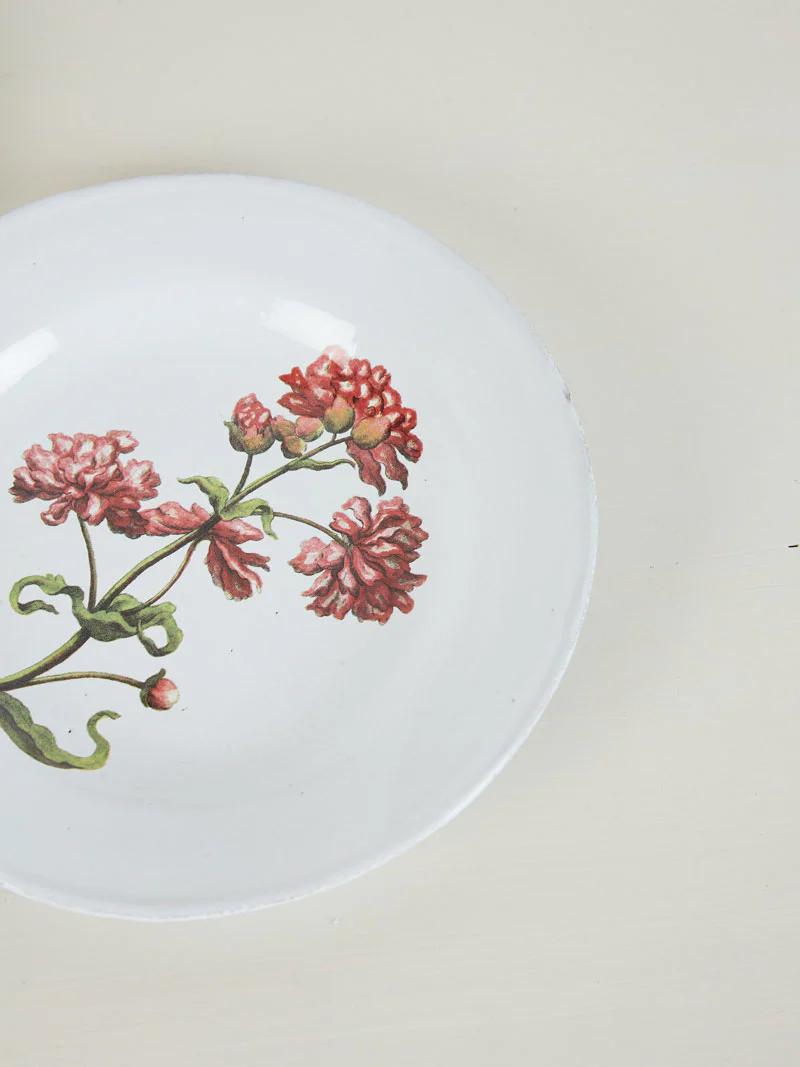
{"points": [[303, 750]]}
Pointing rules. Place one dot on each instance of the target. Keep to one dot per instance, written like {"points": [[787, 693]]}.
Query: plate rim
{"points": [[84, 906]]}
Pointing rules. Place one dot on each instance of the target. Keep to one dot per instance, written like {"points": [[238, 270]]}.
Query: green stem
{"points": [[70, 646], [166, 588], [87, 540], [310, 522], [201, 531], [292, 465], [151, 560], [245, 475], [74, 675], [77, 640]]}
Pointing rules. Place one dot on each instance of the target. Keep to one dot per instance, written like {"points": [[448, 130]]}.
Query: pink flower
{"points": [[345, 393], [250, 428], [313, 394], [368, 572], [161, 695], [231, 568], [84, 474]]}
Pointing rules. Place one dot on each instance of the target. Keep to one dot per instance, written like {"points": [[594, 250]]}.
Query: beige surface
{"points": [[627, 892]]}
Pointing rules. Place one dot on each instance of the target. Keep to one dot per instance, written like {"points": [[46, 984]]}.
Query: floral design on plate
{"points": [[361, 564]]}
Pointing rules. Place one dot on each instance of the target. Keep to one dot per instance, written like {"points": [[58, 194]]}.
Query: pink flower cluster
{"points": [[364, 570], [368, 571], [85, 474], [344, 392]]}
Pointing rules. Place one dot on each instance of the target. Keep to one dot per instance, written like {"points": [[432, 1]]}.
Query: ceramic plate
{"points": [[299, 541]]}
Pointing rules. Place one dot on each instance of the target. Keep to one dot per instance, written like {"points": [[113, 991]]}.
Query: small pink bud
{"points": [[339, 416], [283, 428], [308, 429], [159, 693], [370, 432], [292, 447], [250, 427]]}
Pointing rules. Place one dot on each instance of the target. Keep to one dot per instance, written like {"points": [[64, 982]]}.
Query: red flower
{"points": [[250, 428], [230, 566], [84, 474], [313, 394], [368, 572], [345, 392]]}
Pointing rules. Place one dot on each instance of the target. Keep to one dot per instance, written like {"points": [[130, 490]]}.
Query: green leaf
{"points": [[162, 615], [266, 522], [124, 617], [108, 624], [216, 490], [128, 617], [245, 509], [112, 623], [52, 584], [39, 742], [323, 464]]}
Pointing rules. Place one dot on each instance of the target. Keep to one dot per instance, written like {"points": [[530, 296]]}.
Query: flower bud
{"points": [[292, 447], [159, 692], [288, 433], [339, 417], [283, 428], [308, 429], [250, 429], [371, 432]]}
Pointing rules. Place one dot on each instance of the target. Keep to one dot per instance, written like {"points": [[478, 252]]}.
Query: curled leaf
{"points": [[156, 615], [128, 617], [323, 464], [124, 617], [109, 624], [245, 509], [52, 584], [216, 490], [40, 744], [248, 508], [267, 515]]}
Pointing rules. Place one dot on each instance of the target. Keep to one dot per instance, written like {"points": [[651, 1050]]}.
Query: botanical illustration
{"points": [[360, 562]]}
